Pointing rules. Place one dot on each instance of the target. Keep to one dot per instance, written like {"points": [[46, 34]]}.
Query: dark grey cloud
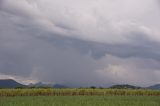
{"points": [[81, 45], [139, 46]]}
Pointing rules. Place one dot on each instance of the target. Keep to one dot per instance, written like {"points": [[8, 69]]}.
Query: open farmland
{"points": [[78, 92], [79, 97], [80, 101]]}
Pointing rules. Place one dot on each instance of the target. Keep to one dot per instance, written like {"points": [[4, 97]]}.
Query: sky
{"points": [[80, 42]]}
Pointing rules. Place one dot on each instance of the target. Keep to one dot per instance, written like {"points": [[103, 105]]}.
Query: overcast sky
{"points": [[80, 42]]}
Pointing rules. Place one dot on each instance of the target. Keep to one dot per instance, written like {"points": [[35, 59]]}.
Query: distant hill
{"points": [[59, 86], [157, 86], [41, 84], [9, 83], [126, 86]]}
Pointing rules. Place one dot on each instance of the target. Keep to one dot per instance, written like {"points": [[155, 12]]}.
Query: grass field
{"points": [[78, 92], [80, 101], [79, 97]]}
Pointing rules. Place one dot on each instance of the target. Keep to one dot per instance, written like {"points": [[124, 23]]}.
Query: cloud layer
{"points": [[81, 42]]}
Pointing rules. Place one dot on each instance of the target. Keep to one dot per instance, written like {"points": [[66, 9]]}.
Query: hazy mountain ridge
{"points": [[125, 86], [41, 84], [9, 83], [157, 86]]}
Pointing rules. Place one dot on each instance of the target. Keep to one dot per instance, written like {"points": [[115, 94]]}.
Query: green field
{"points": [[80, 101], [78, 92], [79, 97]]}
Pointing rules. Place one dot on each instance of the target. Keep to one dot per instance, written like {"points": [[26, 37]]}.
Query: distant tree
{"points": [[101, 87], [93, 87], [19, 87]]}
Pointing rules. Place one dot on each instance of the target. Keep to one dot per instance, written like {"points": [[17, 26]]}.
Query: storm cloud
{"points": [[80, 42]]}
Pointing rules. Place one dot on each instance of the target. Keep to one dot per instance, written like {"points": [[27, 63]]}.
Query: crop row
{"points": [[76, 92]]}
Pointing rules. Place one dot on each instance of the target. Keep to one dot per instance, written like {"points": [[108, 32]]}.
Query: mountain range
{"points": [[157, 86], [125, 86], [9, 83], [40, 84]]}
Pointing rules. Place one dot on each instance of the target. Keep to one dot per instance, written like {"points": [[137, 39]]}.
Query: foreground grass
{"points": [[80, 101]]}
